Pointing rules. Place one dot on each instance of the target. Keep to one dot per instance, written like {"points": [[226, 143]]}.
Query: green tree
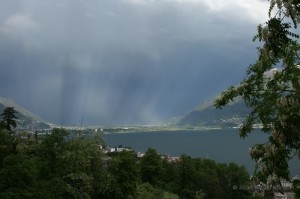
{"points": [[71, 167], [198, 178], [9, 118], [147, 191], [76, 165], [206, 179], [151, 167], [51, 149], [272, 89], [5, 144], [18, 177], [171, 175], [234, 180], [126, 175], [186, 173]]}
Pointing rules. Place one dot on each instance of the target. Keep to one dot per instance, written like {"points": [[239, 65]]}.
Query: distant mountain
{"points": [[26, 120], [206, 114]]}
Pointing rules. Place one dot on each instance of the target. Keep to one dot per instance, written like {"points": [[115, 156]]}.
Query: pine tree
{"points": [[9, 118]]}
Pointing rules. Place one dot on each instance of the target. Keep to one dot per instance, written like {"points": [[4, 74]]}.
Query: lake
{"points": [[221, 145]]}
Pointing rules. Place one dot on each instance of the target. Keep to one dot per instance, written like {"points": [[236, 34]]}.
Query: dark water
{"points": [[221, 145]]}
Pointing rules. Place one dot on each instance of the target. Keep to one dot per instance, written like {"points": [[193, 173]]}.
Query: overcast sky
{"points": [[123, 61]]}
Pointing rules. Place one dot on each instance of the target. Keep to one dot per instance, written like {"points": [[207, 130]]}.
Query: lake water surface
{"points": [[221, 145]]}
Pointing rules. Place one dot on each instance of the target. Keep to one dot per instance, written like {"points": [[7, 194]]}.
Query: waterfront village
{"points": [[139, 154]]}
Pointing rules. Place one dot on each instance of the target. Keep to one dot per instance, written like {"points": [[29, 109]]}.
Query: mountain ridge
{"points": [[205, 114], [26, 119]]}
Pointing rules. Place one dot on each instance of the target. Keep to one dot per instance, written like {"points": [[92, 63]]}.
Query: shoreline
{"points": [[158, 129]]}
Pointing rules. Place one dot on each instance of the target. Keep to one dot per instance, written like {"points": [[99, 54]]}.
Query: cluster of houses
{"points": [[114, 149], [139, 154]]}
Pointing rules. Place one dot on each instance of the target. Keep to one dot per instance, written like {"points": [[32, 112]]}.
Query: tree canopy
{"points": [[272, 89], [9, 118], [61, 164]]}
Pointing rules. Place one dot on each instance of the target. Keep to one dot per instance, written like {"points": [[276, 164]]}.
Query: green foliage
{"points": [[147, 191], [56, 167], [272, 90], [204, 178], [64, 166], [5, 144], [17, 177], [78, 185], [77, 163], [125, 170], [151, 167], [9, 118], [51, 151], [171, 176], [230, 176]]}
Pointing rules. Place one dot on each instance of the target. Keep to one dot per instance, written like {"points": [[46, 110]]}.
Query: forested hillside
{"points": [[68, 165]]}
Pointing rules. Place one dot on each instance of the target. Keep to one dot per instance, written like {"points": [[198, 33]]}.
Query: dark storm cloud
{"points": [[123, 61]]}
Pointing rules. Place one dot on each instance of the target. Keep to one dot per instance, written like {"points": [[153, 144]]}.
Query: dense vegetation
{"points": [[65, 165]]}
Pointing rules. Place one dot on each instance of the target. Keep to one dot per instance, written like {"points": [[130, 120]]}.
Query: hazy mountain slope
{"points": [[207, 115], [26, 119]]}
